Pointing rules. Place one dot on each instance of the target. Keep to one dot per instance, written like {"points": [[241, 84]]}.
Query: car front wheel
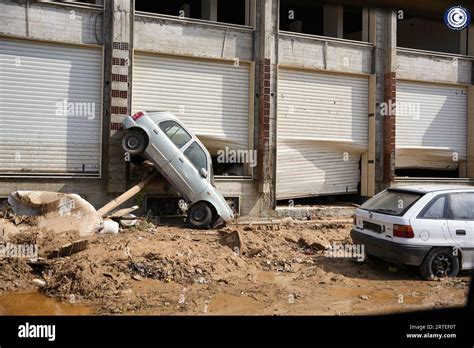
{"points": [[200, 215], [134, 142], [440, 263]]}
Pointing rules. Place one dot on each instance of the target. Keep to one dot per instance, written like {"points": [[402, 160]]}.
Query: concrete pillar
{"points": [[470, 133], [333, 20], [365, 24], [470, 41], [390, 94], [118, 79], [209, 10], [250, 7], [267, 59]]}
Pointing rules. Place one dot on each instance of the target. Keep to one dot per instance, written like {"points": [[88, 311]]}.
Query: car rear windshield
{"points": [[391, 202]]}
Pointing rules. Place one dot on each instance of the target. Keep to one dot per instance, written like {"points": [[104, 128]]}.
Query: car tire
{"points": [[134, 142], [439, 263], [200, 215]]}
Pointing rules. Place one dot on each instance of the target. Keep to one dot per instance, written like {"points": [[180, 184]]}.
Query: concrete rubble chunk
{"points": [[57, 212]]}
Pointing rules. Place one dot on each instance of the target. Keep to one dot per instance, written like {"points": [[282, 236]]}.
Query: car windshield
{"points": [[391, 202]]}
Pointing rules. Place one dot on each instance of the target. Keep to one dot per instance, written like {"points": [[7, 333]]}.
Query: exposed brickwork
{"points": [[389, 129], [264, 114], [119, 61], [119, 78], [119, 94], [118, 110], [116, 126], [120, 46]]}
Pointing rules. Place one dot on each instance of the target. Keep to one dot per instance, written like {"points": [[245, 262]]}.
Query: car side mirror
{"points": [[203, 172]]}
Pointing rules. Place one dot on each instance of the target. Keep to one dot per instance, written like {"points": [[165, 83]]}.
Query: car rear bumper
{"points": [[390, 251]]}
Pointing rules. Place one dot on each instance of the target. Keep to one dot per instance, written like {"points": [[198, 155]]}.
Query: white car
{"points": [[430, 226], [182, 159]]}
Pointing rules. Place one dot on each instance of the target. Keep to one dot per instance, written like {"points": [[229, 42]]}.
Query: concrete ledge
{"points": [[315, 212]]}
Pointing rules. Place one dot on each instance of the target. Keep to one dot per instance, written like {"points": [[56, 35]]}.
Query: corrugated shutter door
{"points": [[50, 103], [211, 98], [322, 131], [431, 123]]}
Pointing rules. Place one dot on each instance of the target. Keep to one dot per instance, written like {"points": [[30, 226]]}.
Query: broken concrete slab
{"points": [[57, 212]]}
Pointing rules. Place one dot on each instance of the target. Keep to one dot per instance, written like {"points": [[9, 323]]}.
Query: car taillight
{"points": [[403, 231], [137, 115], [354, 220]]}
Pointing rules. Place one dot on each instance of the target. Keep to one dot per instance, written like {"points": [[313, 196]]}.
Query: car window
{"points": [[175, 132], [196, 155], [391, 202], [461, 206], [435, 209]]}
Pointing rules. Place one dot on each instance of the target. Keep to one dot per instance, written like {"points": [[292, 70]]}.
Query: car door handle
{"points": [[155, 131], [181, 160], [461, 232]]}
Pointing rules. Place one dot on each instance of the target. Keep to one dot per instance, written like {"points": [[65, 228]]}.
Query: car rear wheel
{"points": [[440, 263], [134, 142], [200, 215]]}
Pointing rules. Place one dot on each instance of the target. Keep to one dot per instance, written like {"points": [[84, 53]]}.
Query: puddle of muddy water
{"points": [[38, 304]]}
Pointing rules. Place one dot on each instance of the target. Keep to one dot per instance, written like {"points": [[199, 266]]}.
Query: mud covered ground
{"points": [[279, 270]]}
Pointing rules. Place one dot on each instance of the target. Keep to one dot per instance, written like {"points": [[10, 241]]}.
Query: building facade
{"points": [[301, 98]]}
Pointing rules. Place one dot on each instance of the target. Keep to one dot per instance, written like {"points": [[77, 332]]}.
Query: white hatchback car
{"points": [[430, 226]]}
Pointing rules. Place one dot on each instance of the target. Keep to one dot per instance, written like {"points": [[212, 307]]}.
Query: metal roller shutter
{"points": [[322, 130], [431, 125], [211, 98], [50, 109]]}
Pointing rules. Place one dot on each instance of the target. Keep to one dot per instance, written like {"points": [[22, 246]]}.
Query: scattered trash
{"points": [[364, 297], [128, 220], [39, 282], [69, 249], [110, 227], [57, 212]]}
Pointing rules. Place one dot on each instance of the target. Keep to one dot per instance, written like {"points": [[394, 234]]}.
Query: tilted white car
{"points": [[182, 159], [430, 226]]}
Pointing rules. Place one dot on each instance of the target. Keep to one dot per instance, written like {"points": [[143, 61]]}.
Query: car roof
{"points": [[158, 116], [426, 188], [161, 115]]}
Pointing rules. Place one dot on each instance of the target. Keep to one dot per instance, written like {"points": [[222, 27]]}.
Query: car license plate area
{"points": [[372, 227]]}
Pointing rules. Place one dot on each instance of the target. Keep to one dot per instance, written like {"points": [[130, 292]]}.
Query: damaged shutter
{"points": [[322, 130], [431, 123], [210, 97], [50, 103]]}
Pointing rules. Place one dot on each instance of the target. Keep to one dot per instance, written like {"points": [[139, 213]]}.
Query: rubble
{"points": [[56, 212]]}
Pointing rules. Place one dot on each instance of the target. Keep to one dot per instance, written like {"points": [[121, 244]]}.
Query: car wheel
{"points": [[440, 263], [200, 215], [134, 142]]}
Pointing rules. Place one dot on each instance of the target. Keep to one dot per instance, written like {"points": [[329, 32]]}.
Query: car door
{"points": [[187, 167], [461, 224], [430, 225], [167, 141]]}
